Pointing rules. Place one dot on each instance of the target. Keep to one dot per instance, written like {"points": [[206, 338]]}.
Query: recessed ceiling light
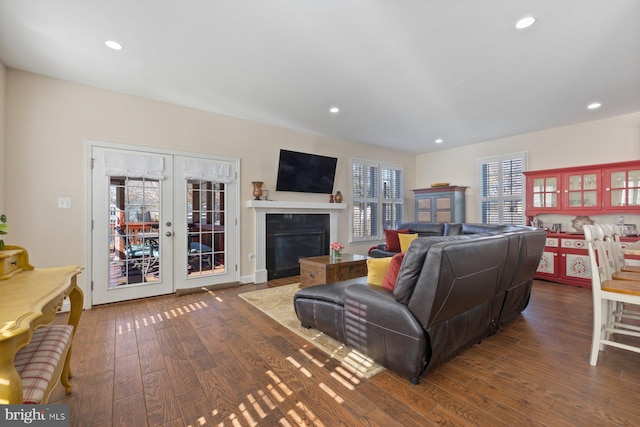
{"points": [[334, 110], [525, 22], [594, 105], [439, 141], [113, 45]]}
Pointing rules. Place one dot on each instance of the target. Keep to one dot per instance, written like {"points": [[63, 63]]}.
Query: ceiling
{"points": [[403, 72]]}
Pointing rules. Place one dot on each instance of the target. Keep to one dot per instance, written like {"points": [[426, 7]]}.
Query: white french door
{"points": [[161, 222]]}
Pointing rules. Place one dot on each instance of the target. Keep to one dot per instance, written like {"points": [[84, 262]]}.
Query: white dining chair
{"points": [[613, 232], [610, 298], [611, 270], [611, 240]]}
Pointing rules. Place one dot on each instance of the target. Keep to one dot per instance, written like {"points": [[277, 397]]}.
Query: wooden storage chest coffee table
{"points": [[323, 269]]}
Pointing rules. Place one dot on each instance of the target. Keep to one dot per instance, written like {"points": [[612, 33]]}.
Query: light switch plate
{"points": [[64, 202]]}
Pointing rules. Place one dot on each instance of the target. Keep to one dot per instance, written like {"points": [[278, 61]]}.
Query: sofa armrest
{"points": [[381, 253], [385, 330]]}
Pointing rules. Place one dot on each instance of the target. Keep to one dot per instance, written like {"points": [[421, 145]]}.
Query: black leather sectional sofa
{"points": [[451, 292], [443, 229]]}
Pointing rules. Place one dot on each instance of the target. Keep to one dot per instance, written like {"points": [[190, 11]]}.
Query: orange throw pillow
{"points": [[392, 241], [391, 277]]}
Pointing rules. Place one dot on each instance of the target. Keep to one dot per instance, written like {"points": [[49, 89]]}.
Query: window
{"points": [[501, 185], [377, 194]]}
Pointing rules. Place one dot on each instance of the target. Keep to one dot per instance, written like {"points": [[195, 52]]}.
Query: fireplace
{"points": [[264, 208], [294, 236]]}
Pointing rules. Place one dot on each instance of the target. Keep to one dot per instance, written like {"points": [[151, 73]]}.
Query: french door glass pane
{"points": [[206, 228], [134, 218]]}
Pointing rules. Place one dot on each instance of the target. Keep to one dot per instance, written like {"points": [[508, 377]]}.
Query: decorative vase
{"points": [[338, 197], [336, 253], [257, 189]]}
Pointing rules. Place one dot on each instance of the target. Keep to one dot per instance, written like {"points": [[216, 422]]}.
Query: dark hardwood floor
{"points": [[211, 359]]}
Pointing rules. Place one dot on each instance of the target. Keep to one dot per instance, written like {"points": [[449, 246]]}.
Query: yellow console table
{"points": [[30, 299]]}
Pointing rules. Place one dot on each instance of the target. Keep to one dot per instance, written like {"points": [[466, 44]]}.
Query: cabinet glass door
{"points": [[624, 188], [545, 192], [582, 190]]}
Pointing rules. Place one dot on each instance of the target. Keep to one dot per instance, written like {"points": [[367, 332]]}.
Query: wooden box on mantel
{"points": [[323, 269]]}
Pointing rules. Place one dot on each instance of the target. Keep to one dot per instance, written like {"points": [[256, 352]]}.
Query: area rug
{"points": [[277, 303]]}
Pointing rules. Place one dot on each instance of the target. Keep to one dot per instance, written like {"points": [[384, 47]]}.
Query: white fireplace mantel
{"points": [[264, 207]]}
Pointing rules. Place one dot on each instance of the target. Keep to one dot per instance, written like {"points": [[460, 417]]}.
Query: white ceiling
{"points": [[403, 72]]}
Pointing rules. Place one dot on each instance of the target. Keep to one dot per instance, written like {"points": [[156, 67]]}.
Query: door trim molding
{"points": [[89, 145]]}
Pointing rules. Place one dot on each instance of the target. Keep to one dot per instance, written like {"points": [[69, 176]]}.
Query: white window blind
{"points": [[501, 183], [133, 165], [392, 203], [207, 170], [377, 195]]}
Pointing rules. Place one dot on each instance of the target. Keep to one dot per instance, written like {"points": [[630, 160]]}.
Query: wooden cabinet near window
{"points": [[595, 189], [440, 204]]}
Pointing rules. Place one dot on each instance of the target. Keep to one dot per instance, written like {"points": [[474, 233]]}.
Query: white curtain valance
{"points": [[207, 170], [133, 165]]}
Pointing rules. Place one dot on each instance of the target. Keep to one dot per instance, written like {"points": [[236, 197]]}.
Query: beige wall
{"points": [[49, 122], [609, 140]]}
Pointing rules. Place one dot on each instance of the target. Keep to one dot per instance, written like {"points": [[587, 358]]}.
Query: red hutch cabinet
{"points": [[612, 188], [596, 189]]}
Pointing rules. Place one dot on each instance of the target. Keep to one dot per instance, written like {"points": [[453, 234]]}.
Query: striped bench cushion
{"points": [[37, 362]]}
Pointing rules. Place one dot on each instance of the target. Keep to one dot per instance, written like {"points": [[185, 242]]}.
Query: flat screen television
{"points": [[305, 173]]}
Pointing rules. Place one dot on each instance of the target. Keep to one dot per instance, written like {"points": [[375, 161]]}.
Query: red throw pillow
{"points": [[393, 243], [391, 277]]}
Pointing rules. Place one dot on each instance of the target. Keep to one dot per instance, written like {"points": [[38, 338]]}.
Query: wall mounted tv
{"points": [[305, 173]]}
